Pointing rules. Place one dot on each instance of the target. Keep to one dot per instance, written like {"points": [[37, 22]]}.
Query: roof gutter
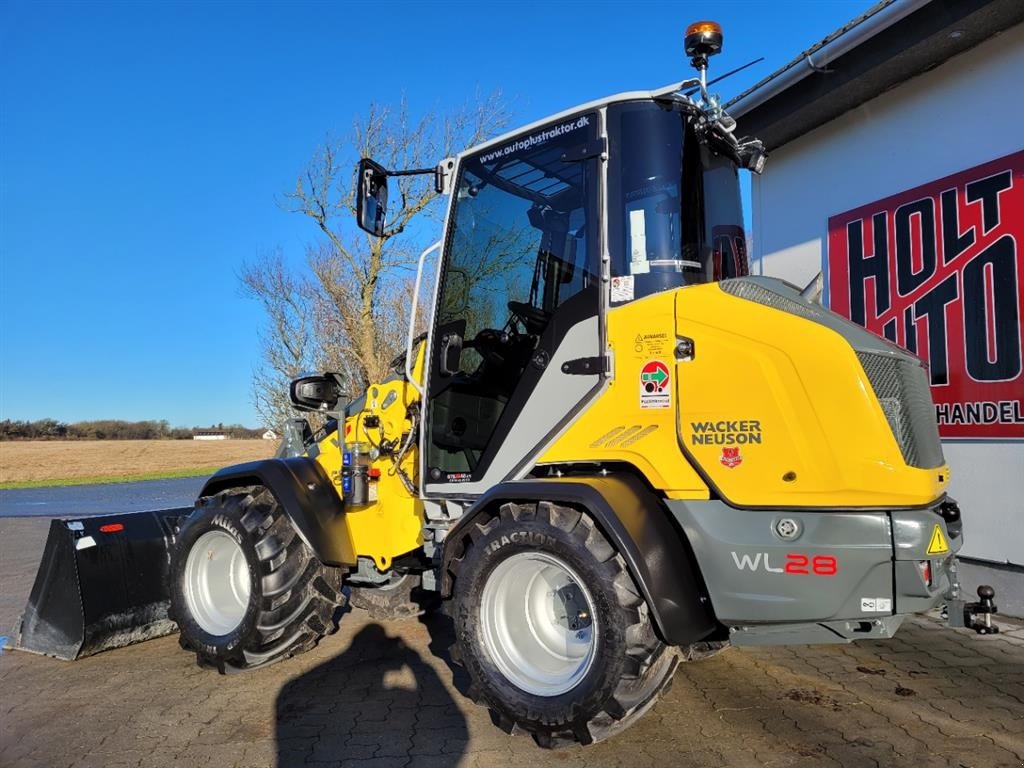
{"points": [[841, 42]]}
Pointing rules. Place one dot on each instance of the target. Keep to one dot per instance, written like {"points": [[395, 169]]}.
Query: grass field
{"points": [[25, 464]]}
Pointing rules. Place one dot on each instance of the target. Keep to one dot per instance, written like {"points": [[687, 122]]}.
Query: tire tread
{"points": [[649, 665], [298, 595]]}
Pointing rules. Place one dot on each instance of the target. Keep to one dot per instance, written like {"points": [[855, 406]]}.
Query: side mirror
{"points": [[315, 393], [371, 196]]}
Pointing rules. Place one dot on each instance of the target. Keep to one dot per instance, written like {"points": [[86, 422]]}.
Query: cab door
{"points": [[516, 332]]}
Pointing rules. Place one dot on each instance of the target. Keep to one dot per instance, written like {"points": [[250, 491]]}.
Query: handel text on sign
{"points": [[938, 270]]}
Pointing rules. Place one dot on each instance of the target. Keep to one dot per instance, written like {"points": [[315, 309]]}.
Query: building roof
{"points": [[892, 42]]}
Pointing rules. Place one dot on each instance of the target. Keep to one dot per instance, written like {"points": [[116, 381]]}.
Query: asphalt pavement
{"points": [[105, 499]]}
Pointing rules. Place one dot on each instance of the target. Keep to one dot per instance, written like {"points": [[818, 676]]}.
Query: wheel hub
{"points": [[217, 583], [538, 623]]}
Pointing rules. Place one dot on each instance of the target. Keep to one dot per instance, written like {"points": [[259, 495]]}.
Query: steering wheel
{"points": [[492, 345], [533, 318]]}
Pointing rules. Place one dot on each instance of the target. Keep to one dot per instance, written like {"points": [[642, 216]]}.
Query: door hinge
{"points": [[586, 366]]}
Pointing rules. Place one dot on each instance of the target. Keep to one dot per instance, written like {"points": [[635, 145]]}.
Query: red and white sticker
{"points": [[622, 289], [731, 458], [655, 385]]}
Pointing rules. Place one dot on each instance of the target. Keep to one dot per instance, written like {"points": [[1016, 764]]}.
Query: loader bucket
{"points": [[102, 584]]}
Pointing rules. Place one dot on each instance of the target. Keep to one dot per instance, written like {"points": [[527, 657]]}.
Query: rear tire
{"points": [[401, 598], [245, 588], [583, 661]]}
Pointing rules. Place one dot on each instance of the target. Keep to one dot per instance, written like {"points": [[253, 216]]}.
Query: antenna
{"points": [[727, 74], [734, 71]]}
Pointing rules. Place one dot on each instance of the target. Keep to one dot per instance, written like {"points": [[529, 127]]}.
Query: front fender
{"points": [[307, 496], [636, 522]]}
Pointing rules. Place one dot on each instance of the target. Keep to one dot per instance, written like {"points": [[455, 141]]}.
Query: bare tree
{"points": [[286, 343], [348, 311]]}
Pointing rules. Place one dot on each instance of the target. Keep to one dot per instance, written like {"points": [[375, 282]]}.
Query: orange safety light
{"points": [[703, 39], [702, 27]]}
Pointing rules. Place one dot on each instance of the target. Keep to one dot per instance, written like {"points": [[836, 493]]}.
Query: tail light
{"points": [[924, 567]]}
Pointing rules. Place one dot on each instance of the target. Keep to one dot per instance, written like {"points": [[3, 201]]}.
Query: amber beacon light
{"points": [[703, 39]]}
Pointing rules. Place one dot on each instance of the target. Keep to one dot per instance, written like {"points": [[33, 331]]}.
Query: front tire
{"points": [[245, 588], [551, 627]]}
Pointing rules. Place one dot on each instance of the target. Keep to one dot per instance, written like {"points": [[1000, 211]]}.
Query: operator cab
{"points": [[548, 229]]}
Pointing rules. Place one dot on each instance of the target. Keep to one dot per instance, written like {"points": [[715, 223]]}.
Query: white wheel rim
{"points": [[217, 583], [539, 624]]}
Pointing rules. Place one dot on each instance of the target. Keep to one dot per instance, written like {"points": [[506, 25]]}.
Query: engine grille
{"points": [[751, 291], [901, 386]]}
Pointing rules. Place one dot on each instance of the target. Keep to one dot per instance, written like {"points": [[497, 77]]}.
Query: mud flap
{"points": [[102, 584]]}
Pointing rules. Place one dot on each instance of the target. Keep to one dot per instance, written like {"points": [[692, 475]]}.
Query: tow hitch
{"points": [[976, 616]]}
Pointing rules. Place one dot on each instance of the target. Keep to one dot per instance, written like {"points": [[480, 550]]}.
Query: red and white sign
{"points": [[655, 391], [938, 270]]}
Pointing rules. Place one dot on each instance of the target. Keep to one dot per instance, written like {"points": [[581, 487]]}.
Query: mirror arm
{"points": [[440, 173], [412, 172], [437, 173]]}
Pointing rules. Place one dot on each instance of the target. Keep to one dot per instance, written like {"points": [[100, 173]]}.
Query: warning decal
{"points": [[622, 289], [654, 385], [938, 544]]}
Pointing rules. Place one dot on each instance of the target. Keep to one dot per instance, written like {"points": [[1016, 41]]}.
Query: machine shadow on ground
{"points": [[441, 629], [377, 699]]}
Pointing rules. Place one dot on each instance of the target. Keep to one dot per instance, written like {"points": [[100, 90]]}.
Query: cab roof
{"points": [[658, 93]]}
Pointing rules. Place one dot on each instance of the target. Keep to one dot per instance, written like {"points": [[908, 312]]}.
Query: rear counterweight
{"points": [[776, 567]]}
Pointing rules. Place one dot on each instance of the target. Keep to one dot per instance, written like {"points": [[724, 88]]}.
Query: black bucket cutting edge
{"points": [[102, 584]]}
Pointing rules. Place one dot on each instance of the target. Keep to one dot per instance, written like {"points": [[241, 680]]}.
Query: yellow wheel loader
{"points": [[612, 451]]}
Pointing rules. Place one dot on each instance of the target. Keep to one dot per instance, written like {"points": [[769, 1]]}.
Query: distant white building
{"points": [[209, 434], [270, 435]]}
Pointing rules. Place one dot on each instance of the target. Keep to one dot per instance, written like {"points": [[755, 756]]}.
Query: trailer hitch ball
{"points": [[978, 616]]}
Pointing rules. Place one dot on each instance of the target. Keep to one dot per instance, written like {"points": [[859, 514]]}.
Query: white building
{"points": [[209, 434], [897, 167]]}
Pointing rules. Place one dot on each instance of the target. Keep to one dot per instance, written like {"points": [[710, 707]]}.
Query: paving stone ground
{"points": [[378, 695]]}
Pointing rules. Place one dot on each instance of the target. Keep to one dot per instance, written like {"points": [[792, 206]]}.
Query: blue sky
{"points": [[144, 147]]}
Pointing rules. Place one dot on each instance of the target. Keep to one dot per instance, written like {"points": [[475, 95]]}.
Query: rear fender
{"points": [[306, 494], [633, 518]]}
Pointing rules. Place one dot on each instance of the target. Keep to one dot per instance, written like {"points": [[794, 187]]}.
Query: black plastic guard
{"points": [[101, 584], [308, 497], [633, 517]]}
